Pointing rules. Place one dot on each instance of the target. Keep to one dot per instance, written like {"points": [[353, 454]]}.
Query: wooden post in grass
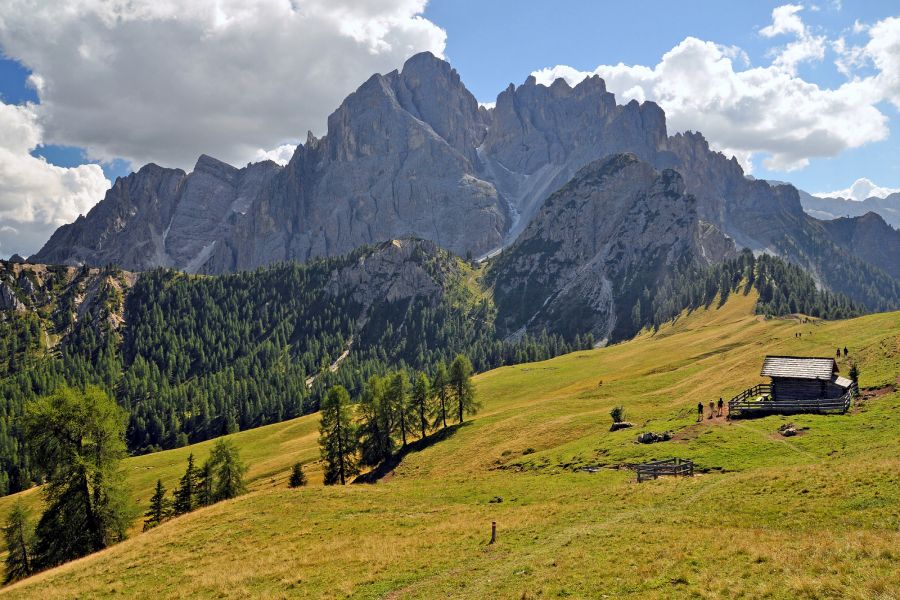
{"points": [[493, 531]]}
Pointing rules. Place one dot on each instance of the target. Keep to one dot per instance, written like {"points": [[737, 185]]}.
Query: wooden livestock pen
{"points": [[669, 466], [799, 384]]}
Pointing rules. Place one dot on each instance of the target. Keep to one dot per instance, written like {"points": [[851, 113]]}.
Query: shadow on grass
{"points": [[393, 462]]}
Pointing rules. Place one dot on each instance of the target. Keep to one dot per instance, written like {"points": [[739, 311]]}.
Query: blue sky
{"points": [[244, 81]]}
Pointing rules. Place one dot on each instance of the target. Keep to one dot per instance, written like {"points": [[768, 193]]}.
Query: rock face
{"points": [[411, 154], [395, 270], [616, 228], [869, 238], [160, 217]]}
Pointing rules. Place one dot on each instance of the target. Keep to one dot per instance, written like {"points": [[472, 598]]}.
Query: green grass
{"points": [[814, 516]]}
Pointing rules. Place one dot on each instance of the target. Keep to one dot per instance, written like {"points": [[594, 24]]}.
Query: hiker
{"points": [[712, 410], [720, 406], [845, 351], [699, 411], [838, 355]]}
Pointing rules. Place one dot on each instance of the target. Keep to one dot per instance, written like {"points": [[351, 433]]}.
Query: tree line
{"points": [[391, 412], [78, 439], [199, 357]]}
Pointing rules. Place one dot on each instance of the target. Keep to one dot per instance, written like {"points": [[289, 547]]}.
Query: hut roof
{"points": [[843, 382], [799, 367]]}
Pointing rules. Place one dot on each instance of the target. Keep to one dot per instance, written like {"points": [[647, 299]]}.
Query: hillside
{"points": [[812, 516]]}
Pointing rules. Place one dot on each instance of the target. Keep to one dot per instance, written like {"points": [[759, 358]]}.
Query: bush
{"points": [[617, 414]]}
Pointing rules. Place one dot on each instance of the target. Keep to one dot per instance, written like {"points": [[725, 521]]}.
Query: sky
{"points": [[805, 92]]}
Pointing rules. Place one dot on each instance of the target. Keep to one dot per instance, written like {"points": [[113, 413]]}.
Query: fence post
{"points": [[493, 531]]}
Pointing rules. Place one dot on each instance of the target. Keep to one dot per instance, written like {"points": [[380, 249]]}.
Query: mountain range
{"points": [[412, 154]]}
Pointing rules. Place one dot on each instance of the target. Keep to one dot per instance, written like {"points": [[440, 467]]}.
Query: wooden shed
{"points": [[798, 384], [802, 378]]}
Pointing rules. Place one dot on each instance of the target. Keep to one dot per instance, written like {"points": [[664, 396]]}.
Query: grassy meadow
{"points": [[812, 516]]}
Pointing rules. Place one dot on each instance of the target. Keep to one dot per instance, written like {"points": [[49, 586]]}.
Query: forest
{"points": [[190, 357]]}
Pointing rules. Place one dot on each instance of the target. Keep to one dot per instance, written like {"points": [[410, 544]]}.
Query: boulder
{"points": [[620, 425]]}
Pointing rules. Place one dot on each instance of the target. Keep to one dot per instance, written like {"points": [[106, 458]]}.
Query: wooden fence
{"points": [[670, 466], [748, 403]]}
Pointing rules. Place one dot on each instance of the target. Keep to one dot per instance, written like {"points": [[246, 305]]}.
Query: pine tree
{"points": [[186, 492], [160, 507], [461, 384], [421, 401], [441, 387], [298, 478], [337, 437], [18, 535]]}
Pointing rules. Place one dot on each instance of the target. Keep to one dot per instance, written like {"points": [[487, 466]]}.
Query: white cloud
{"points": [[281, 155], [785, 20], [860, 190], [767, 110], [164, 81], [35, 196]]}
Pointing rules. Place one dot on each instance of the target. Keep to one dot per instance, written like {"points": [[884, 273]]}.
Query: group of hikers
{"points": [[715, 410], [837, 353]]}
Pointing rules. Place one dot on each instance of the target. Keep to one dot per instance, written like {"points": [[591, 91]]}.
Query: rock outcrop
{"points": [[616, 228]]}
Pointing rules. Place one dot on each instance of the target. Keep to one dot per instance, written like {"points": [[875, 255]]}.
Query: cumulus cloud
{"points": [[35, 196], [861, 189], [770, 111], [164, 81]]}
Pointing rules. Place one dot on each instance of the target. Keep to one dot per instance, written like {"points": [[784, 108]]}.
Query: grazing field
{"points": [[811, 516]]}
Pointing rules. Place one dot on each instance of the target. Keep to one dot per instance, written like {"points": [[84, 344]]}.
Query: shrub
{"points": [[617, 414]]}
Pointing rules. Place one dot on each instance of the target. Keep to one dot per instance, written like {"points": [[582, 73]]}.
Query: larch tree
{"points": [[375, 441], [421, 401], [463, 389], [337, 437], [228, 469], [206, 481], [78, 439], [19, 536], [441, 388], [398, 394]]}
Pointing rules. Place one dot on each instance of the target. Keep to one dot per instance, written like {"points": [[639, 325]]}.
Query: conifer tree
{"points": [[398, 394], [463, 390], [228, 470], [337, 437], [375, 441], [298, 478], [441, 388], [78, 438], [421, 401], [206, 482], [186, 492], [160, 507], [19, 538]]}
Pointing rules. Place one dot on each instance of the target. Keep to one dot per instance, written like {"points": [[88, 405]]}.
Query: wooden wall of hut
{"points": [[785, 388]]}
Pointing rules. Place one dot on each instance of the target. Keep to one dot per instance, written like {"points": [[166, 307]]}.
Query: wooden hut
{"points": [[798, 384]]}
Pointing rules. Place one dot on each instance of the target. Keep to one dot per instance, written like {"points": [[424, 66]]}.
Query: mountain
{"points": [[869, 238], [617, 228], [832, 208], [411, 154]]}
